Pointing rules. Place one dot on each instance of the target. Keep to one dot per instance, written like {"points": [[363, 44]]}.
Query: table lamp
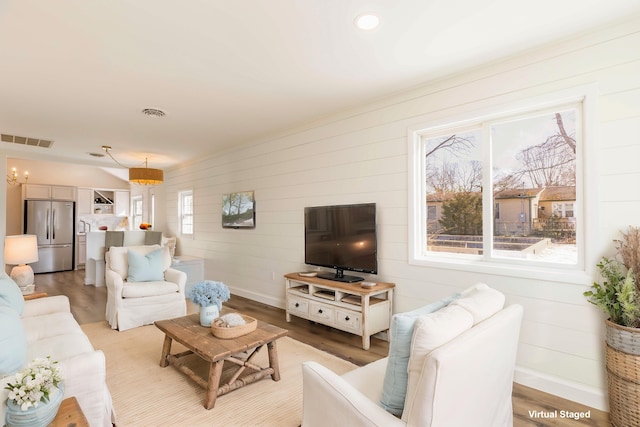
{"points": [[19, 251]]}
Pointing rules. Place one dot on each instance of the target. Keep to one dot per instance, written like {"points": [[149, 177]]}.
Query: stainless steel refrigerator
{"points": [[52, 222]]}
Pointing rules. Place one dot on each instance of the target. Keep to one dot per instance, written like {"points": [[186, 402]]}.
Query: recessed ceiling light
{"points": [[367, 21]]}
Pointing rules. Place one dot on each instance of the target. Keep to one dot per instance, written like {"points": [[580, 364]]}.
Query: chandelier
{"points": [[140, 175], [13, 178]]}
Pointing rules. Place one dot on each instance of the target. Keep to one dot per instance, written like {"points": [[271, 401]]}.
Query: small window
{"points": [[136, 211], [186, 212], [153, 209]]}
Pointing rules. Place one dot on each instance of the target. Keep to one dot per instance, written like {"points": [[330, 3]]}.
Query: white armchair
{"points": [[465, 382], [145, 290]]}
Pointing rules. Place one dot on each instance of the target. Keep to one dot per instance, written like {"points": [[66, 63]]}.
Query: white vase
{"points": [[40, 416], [208, 314]]}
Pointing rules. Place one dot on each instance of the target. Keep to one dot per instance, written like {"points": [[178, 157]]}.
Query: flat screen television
{"points": [[343, 238]]}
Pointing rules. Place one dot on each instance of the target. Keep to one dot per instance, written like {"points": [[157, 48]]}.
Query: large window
{"points": [[501, 188], [185, 213]]}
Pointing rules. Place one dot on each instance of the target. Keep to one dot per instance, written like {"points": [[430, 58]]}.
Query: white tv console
{"points": [[345, 306]]}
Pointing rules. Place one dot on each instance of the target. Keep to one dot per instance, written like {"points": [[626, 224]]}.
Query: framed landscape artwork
{"points": [[238, 210]]}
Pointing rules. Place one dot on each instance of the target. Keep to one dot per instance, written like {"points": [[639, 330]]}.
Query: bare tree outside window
{"points": [[454, 191], [532, 181], [534, 169]]}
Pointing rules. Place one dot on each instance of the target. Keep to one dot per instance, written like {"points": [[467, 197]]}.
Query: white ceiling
{"points": [[228, 72]]}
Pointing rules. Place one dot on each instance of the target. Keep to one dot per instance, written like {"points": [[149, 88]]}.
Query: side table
{"points": [[70, 414], [34, 295]]}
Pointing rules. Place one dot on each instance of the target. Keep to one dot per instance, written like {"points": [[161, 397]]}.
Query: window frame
{"points": [[181, 215], [134, 200], [586, 96]]}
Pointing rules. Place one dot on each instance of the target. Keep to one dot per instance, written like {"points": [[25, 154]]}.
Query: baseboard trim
{"points": [[274, 302], [590, 396]]}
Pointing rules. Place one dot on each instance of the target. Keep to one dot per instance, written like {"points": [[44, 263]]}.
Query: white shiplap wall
{"points": [[361, 156]]}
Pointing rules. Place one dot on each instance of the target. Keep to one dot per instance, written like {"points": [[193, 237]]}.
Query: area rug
{"points": [[144, 394]]}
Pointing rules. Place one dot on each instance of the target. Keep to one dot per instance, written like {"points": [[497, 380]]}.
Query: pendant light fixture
{"points": [[146, 175], [140, 175]]}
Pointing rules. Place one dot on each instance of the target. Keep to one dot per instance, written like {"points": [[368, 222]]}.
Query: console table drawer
{"points": [[298, 305], [321, 311], [349, 319]]}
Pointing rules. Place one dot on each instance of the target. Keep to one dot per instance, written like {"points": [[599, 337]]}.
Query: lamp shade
{"points": [[21, 249], [146, 176]]}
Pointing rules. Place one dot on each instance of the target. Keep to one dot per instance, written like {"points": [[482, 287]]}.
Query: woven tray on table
{"points": [[233, 332]]}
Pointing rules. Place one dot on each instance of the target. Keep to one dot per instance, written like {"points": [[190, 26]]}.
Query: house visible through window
{"points": [[186, 212], [502, 187]]}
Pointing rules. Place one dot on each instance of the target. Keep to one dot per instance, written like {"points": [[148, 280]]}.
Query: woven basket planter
{"points": [[623, 338], [623, 374]]}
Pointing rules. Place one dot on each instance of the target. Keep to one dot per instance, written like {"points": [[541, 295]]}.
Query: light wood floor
{"points": [[88, 306]]}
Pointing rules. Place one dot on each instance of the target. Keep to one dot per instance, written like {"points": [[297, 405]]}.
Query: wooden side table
{"points": [[70, 415], [35, 295]]}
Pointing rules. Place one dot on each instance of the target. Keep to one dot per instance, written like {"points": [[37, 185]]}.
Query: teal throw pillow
{"points": [[145, 268], [396, 376], [13, 342], [10, 294]]}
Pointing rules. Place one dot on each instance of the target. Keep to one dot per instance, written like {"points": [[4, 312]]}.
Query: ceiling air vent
{"points": [[23, 140]]}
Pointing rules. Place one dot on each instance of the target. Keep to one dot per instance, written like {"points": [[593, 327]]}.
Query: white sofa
{"points": [[45, 327], [132, 302], [459, 372]]}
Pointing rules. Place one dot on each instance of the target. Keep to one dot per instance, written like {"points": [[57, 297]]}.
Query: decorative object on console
{"points": [[238, 210], [209, 295], [618, 295], [35, 394], [19, 251], [169, 242]]}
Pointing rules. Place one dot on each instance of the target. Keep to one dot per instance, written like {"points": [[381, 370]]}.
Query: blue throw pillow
{"points": [[10, 294], [13, 342], [145, 268], [396, 377]]}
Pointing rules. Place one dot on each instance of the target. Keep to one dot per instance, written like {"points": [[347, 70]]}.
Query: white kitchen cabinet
{"points": [[84, 203], [48, 192], [121, 200], [81, 250], [103, 201], [63, 193], [36, 192]]}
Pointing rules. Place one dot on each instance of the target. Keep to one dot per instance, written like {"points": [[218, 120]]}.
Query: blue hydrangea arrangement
{"points": [[209, 292]]}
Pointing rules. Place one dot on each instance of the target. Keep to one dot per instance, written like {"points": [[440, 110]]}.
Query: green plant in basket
{"points": [[617, 294]]}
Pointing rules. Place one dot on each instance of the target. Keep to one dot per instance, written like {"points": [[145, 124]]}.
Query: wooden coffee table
{"points": [[200, 341]]}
